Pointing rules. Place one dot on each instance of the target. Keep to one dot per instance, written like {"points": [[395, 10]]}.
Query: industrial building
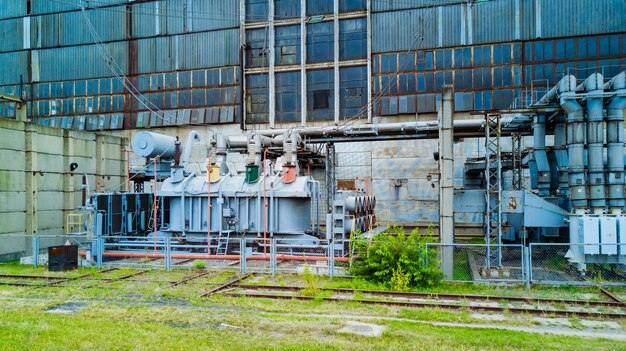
{"points": [[500, 119]]}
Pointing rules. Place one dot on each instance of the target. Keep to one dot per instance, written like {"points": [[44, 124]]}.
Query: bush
{"points": [[199, 264], [396, 260]]}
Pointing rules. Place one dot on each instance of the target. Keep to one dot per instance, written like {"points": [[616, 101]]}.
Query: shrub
{"points": [[199, 264], [310, 279], [396, 260]]}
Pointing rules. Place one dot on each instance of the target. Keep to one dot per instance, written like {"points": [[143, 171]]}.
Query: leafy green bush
{"points": [[199, 264], [397, 260]]}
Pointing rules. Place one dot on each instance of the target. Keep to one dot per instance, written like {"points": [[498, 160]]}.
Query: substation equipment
{"points": [[207, 212], [573, 190]]}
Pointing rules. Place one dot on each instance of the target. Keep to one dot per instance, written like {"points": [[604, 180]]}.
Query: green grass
{"points": [[145, 313]]}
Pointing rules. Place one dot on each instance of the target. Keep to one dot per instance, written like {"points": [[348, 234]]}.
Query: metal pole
{"points": [[446, 179], [529, 265], [99, 251], [168, 254], [242, 255], [35, 251], [331, 259], [273, 256]]}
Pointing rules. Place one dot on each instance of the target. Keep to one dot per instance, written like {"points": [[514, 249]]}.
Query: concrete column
{"points": [[68, 178], [32, 169], [446, 178], [100, 161]]}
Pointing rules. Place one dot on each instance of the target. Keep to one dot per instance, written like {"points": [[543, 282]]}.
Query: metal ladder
{"points": [[222, 243]]}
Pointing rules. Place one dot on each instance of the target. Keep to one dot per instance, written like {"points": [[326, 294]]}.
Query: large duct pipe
{"points": [[560, 150], [575, 143], [408, 128], [595, 142], [541, 158], [615, 141], [191, 138]]}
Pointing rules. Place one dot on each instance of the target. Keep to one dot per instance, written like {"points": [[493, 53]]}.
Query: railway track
{"points": [[452, 297], [443, 301], [226, 285]]}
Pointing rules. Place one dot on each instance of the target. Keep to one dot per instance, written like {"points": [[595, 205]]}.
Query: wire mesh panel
{"points": [[578, 264], [343, 251], [467, 263], [137, 252], [294, 256]]}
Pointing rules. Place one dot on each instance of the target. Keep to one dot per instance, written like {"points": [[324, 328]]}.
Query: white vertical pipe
{"points": [[336, 55], [518, 24], [303, 82], [272, 63], [439, 26], [470, 30], [538, 18]]}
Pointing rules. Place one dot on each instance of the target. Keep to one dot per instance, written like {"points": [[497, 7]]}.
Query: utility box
{"points": [[62, 258]]}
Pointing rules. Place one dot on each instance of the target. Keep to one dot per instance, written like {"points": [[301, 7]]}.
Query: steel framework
{"points": [[493, 195]]}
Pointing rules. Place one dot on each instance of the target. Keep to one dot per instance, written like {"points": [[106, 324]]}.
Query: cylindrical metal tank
{"points": [[147, 144]]}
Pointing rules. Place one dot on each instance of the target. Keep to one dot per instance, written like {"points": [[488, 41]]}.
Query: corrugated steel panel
{"points": [[453, 19], [85, 62], [387, 5], [176, 16], [46, 6], [12, 8], [579, 17], [13, 65], [209, 49], [397, 31], [73, 28], [11, 35], [493, 21], [527, 19], [215, 14]]}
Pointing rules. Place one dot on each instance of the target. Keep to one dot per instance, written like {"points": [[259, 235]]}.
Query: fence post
{"points": [[528, 265], [168, 254], [273, 256], [99, 251], [35, 251], [242, 255], [331, 258]]}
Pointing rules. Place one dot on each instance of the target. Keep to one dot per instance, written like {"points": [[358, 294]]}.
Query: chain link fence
{"points": [[481, 263], [578, 264], [538, 263]]}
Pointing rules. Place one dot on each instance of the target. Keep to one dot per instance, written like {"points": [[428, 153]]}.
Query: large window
{"points": [[287, 45], [320, 95], [320, 45], [353, 39]]}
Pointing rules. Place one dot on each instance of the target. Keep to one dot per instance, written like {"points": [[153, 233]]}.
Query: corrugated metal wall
{"points": [[390, 5], [85, 62], [397, 31], [11, 34], [12, 8], [493, 22], [13, 65], [579, 17]]}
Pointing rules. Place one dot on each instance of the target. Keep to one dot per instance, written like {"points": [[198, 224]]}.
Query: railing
{"points": [[539, 263]]}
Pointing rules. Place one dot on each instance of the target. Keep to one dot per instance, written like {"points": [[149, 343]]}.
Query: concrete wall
{"points": [[37, 188]]}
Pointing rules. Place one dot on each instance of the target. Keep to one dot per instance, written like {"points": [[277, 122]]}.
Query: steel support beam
{"points": [[493, 195], [303, 82], [272, 63], [336, 58], [446, 179]]}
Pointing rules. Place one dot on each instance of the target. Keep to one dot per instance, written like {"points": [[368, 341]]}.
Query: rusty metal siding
{"points": [[46, 6], [209, 49], [493, 21], [399, 30]]}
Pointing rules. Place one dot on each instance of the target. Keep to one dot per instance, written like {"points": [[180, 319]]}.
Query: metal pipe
{"points": [[575, 143], [191, 138], [264, 257], [615, 142], [593, 85], [541, 157], [408, 128]]}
